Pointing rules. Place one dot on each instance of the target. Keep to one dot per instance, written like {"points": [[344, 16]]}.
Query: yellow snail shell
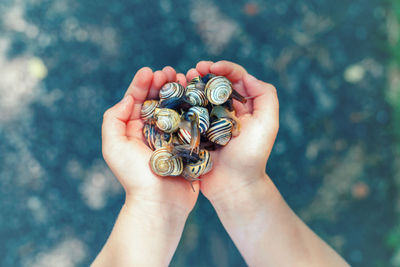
{"points": [[218, 90], [168, 120], [163, 163], [220, 131], [170, 90], [148, 108]]}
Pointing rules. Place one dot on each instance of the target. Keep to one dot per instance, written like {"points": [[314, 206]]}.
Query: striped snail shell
{"points": [[218, 90], [220, 131], [204, 118], [148, 108], [184, 136], [195, 96], [192, 171], [155, 138], [172, 89], [164, 163], [222, 112], [167, 120]]}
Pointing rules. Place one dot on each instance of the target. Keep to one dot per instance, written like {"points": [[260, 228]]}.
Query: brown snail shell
{"points": [[220, 131], [164, 163], [195, 92], [172, 89], [193, 170], [155, 138], [148, 109], [218, 90], [167, 120], [195, 96]]}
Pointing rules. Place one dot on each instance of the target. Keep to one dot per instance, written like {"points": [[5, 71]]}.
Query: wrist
{"points": [[251, 196], [156, 215]]}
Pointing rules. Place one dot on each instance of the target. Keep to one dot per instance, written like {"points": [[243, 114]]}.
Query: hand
{"points": [[128, 156], [242, 162]]}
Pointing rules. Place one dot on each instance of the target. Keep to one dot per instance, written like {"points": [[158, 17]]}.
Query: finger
{"points": [[159, 79], [265, 101], [170, 73], [115, 120], [139, 89], [191, 74], [230, 70], [140, 84], [180, 77], [203, 67]]}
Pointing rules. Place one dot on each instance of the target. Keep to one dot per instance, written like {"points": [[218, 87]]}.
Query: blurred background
{"points": [[336, 159]]}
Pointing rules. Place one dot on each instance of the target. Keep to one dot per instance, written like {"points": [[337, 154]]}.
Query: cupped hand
{"points": [[128, 156], [242, 161]]}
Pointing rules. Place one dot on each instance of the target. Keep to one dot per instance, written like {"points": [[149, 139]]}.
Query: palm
{"points": [[240, 154], [169, 189], [130, 156], [259, 121]]}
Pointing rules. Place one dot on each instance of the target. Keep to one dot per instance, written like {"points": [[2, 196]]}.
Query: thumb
{"points": [[265, 98], [265, 106], [115, 120]]}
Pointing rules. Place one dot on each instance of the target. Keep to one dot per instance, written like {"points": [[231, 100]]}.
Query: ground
{"points": [[63, 63]]}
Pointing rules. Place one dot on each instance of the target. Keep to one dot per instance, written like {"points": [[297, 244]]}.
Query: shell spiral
{"points": [[204, 118], [172, 89], [204, 165], [218, 90], [195, 96], [148, 108], [220, 131], [168, 120], [163, 163]]}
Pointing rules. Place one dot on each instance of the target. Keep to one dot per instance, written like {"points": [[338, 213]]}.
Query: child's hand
{"points": [[128, 156], [243, 160]]}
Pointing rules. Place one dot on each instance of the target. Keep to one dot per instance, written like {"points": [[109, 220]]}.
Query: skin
{"points": [[151, 221], [260, 223], [150, 224]]}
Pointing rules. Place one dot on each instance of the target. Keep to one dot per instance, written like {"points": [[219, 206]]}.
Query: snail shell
{"points": [[172, 89], [195, 96], [220, 131], [198, 82], [164, 163], [207, 77], [148, 108], [193, 170], [154, 138], [168, 120], [204, 118], [222, 112], [184, 136], [218, 90]]}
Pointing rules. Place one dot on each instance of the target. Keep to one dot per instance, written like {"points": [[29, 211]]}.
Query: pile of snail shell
{"points": [[186, 123]]}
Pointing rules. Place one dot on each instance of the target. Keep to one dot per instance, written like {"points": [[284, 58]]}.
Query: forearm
{"points": [[145, 234], [267, 232]]}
